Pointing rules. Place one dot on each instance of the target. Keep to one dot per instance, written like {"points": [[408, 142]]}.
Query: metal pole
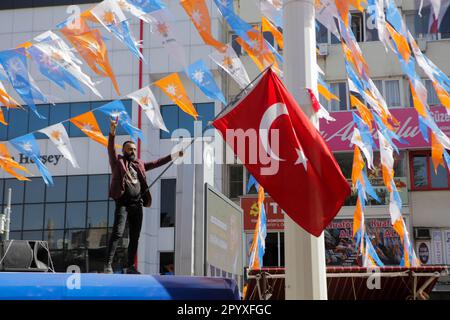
{"points": [[8, 215], [304, 253]]}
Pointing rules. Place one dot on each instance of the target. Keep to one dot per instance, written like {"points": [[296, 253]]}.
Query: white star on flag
{"points": [[116, 114], [171, 89], [198, 76], [27, 146], [87, 127], [197, 17], [15, 64], [301, 158], [224, 2]]}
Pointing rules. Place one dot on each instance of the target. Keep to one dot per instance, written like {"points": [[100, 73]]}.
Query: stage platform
{"points": [[351, 283], [91, 286]]}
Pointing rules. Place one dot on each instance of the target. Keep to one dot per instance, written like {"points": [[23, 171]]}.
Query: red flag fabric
{"points": [[299, 172]]}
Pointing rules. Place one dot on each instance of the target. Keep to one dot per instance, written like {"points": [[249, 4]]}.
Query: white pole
{"points": [[304, 253], [8, 215]]}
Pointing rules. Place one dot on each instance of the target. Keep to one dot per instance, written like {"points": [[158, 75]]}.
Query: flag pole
{"points": [[227, 107], [305, 275]]}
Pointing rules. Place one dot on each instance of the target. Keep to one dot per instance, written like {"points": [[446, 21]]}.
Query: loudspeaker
{"points": [[24, 256]]}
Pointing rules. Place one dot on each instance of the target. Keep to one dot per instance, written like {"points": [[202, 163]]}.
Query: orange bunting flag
{"points": [[7, 100], [443, 95], [358, 165], [343, 8], [8, 164], [199, 14], [326, 93], [87, 123], [417, 102], [357, 5], [2, 118], [357, 217], [90, 45], [174, 89], [437, 152], [267, 26], [259, 51], [364, 112], [401, 42]]}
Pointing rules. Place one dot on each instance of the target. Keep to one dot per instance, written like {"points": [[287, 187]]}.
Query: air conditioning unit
{"points": [[422, 233], [323, 49]]}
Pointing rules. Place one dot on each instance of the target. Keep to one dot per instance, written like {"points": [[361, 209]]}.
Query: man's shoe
{"points": [[108, 268], [132, 270]]}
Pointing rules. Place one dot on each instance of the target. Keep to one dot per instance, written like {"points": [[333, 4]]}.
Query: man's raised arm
{"points": [[111, 145], [160, 162]]}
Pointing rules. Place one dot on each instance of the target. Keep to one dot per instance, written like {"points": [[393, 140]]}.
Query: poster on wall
{"points": [[436, 238], [423, 250], [340, 246], [447, 246]]}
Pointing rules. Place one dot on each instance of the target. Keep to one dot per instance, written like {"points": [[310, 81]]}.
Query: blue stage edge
{"points": [[91, 286]]}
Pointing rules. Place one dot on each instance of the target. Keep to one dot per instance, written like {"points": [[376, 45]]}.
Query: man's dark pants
{"points": [[124, 212]]}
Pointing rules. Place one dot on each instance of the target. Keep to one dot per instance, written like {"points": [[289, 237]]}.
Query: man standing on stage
{"points": [[130, 191]]}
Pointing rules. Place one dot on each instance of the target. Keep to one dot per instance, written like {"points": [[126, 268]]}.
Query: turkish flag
{"points": [[286, 154]]}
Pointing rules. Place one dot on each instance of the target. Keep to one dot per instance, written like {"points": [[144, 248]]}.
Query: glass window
{"points": [[15, 235], [98, 187], [424, 176], [75, 239], [54, 216], [439, 178], [76, 215], [33, 217], [282, 249], [167, 263], [16, 217], [18, 123], [205, 112], [392, 93], [432, 97], [111, 212], [97, 214], [321, 33], [371, 27], [55, 240], [32, 235], [379, 85], [357, 26], [76, 188], [75, 110], [444, 27], [268, 36], [16, 190], [3, 128], [236, 46], [36, 123], [96, 239], [185, 121], [418, 25], [57, 193], [59, 113], [34, 190], [169, 114], [1, 191], [236, 185], [340, 90], [77, 257], [270, 258], [420, 170], [168, 203]]}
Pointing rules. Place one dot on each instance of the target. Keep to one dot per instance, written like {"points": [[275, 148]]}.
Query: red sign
{"points": [[274, 214], [338, 134]]}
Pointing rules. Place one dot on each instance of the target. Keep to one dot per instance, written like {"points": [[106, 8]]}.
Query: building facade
{"points": [[76, 215]]}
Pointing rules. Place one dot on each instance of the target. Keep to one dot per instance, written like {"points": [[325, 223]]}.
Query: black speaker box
{"points": [[24, 256]]}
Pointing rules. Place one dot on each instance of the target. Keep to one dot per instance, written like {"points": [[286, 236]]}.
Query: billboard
{"points": [[340, 246], [274, 213], [338, 134], [223, 237]]}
